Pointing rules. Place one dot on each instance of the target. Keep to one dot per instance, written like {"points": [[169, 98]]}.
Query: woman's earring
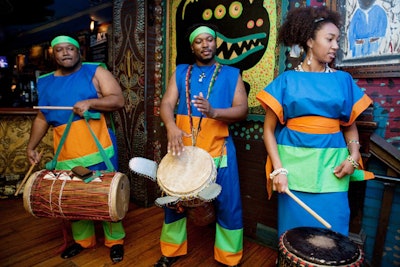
{"points": [[309, 60]]}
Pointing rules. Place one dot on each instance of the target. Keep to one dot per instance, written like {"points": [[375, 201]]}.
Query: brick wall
{"points": [[385, 93]]}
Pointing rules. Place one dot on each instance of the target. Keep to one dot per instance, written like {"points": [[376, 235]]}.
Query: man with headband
{"points": [[83, 87], [209, 96]]}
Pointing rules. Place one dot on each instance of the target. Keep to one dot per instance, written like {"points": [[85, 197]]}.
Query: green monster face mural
{"points": [[243, 30]]}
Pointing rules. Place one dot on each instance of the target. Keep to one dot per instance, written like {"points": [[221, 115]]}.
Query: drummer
{"points": [[210, 96], [310, 132], [83, 87]]}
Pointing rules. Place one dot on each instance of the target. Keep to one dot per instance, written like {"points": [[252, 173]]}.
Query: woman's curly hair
{"points": [[302, 23]]}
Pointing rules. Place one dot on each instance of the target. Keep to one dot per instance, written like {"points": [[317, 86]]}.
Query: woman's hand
{"points": [[280, 183], [345, 168]]}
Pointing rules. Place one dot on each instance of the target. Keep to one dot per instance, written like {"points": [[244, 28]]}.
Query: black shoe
{"points": [[165, 261], [117, 253], [71, 251]]}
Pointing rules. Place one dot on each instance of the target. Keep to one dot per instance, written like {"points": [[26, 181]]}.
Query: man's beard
{"points": [[206, 61]]}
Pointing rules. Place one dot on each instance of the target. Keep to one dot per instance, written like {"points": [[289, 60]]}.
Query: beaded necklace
{"points": [[195, 131], [326, 70]]}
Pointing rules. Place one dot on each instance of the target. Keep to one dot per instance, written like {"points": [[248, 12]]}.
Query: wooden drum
{"points": [[184, 176], [58, 194], [308, 246]]}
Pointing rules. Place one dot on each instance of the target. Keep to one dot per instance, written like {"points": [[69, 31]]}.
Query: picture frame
{"points": [[369, 48]]}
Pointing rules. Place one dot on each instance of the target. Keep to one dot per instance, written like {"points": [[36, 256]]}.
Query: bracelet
{"points": [[354, 141], [277, 172], [353, 162]]}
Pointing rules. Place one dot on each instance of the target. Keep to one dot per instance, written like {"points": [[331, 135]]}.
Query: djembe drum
{"points": [[185, 177], [58, 194], [187, 182], [308, 247]]}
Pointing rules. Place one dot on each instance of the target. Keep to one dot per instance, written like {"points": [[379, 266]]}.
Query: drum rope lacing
{"points": [[60, 194], [195, 131], [54, 199]]}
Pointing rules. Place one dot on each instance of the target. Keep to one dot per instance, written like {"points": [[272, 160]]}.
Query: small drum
{"points": [[58, 194], [308, 246], [186, 175]]}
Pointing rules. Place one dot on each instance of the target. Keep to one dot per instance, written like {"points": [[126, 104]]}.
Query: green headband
{"points": [[64, 39], [200, 30]]}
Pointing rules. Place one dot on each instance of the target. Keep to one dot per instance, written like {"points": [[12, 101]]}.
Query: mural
{"points": [[246, 37]]}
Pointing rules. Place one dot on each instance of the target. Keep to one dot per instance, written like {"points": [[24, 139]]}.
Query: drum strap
{"points": [[221, 155], [51, 165], [87, 115]]}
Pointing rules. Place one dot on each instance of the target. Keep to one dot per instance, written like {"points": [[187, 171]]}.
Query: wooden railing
{"points": [[390, 157]]}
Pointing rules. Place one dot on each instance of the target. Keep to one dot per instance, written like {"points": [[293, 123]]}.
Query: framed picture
{"points": [[246, 38], [370, 37]]}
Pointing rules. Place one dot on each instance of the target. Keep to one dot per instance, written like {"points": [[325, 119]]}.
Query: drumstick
{"points": [[27, 175], [53, 107], [308, 209]]}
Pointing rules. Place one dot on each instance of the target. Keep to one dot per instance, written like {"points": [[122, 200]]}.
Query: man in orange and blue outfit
{"points": [[210, 96], [83, 87]]}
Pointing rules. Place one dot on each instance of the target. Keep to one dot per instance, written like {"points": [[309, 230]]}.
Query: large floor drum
{"points": [[54, 194], [308, 246]]}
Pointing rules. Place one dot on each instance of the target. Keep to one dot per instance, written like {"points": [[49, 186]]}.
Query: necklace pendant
{"points": [[201, 76], [194, 136]]}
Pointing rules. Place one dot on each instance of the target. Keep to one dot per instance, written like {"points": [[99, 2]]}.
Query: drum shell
{"points": [[202, 215], [107, 200], [307, 252]]}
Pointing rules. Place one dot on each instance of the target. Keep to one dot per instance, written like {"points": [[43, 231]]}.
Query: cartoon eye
{"points": [[259, 22], [207, 14], [220, 12], [235, 9], [250, 24]]}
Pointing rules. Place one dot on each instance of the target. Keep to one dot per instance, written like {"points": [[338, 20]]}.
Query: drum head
{"points": [[27, 191], [187, 174], [320, 246], [119, 196]]}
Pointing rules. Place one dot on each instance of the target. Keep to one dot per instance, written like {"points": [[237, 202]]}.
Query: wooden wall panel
{"points": [[129, 50]]}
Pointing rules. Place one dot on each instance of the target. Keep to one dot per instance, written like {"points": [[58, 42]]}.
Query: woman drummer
{"points": [[309, 129]]}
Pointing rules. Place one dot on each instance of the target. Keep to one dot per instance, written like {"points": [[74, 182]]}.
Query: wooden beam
{"points": [[383, 223]]}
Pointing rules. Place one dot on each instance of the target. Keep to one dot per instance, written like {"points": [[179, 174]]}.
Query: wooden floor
{"points": [[29, 241]]}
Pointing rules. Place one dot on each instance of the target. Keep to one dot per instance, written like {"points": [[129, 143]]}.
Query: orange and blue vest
{"points": [[79, 147]]}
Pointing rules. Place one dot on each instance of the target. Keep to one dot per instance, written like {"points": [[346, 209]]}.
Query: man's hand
{"points": [[203, 106], [81, 106], [175, 142], [33, 156]]}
